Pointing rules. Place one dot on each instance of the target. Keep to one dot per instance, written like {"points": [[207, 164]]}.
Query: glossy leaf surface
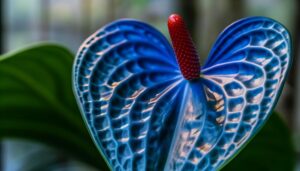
{"points": [[37, 103]]}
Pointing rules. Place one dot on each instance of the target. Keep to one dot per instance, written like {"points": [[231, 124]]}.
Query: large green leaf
{"points": [[37, 103], [270, 150]]}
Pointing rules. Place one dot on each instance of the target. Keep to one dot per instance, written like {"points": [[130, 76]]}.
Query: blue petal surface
{"points": [[242, 80], [127, 82], [143, 115]]}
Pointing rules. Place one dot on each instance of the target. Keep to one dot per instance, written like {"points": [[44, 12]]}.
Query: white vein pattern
{"points": [[123, 75], [143, 115], [242, 80]]}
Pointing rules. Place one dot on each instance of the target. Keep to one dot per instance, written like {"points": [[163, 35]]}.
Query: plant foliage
{"points": [[37, 103]]}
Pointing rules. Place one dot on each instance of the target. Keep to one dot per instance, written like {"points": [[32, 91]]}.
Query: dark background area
{"points": [[69, 22]]}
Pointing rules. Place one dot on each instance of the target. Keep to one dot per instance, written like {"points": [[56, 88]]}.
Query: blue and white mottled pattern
{"points": [[143, 115]]}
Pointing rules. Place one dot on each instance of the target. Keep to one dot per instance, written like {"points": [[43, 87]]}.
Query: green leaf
{"points": [[270, 150], [37, 102]]}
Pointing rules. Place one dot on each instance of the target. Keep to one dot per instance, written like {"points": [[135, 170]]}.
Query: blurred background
{"points": [[69, 22]]}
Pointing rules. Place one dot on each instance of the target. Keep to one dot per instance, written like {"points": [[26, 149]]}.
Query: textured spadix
{"points": [[184, 48]]}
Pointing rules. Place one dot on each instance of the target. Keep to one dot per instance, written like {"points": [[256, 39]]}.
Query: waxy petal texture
{"points": [[144, 115]]}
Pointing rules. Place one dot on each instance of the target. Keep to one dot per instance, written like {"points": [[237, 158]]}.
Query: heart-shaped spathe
{"points": [[144, 115]]}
